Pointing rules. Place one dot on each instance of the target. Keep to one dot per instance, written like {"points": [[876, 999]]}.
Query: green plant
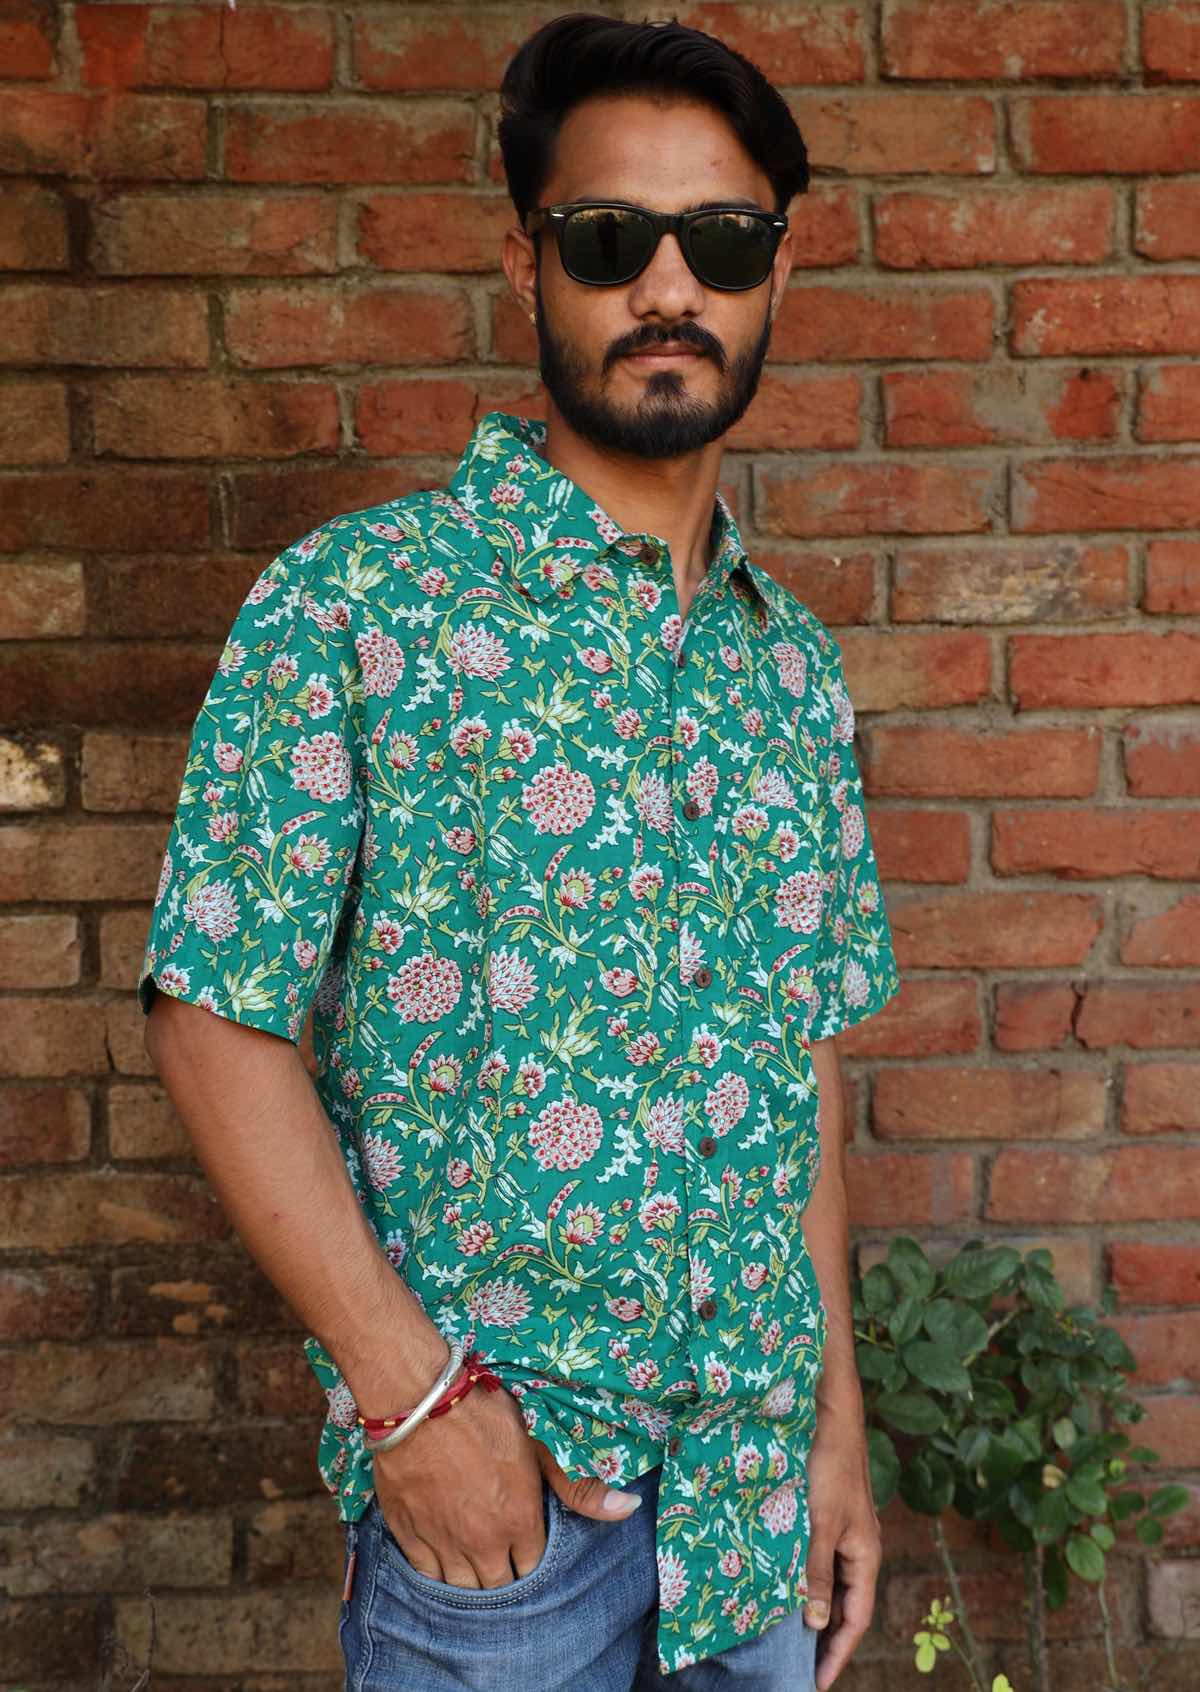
{"points": [[986, 1395]]}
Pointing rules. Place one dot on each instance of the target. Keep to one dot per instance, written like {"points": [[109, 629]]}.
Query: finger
{"points": [[851, 1611], [818, 1573]]}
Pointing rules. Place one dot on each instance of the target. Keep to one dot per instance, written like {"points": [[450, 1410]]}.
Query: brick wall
{"points": [[251, 280]]}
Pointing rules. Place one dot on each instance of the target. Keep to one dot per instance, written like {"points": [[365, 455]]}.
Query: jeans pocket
{"points": [[475, 1597]]}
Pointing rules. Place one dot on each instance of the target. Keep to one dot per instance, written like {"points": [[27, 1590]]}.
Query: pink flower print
{"points": [[778, 1509], [625, 1309], [646, 1048], [753, 1275], [647, 594], [227, 757], [609, 1465], [213, 908], [750, 820], [856, 984], [343, 1411], [646, 881], [780, 1400], [469, 736], [382, 1160], [706, 1048], [222, 826], [785, 843], [591, 657], [387, 934], [512, 983], [620, 982], [777, 1461], [671, 632], [475, 1238], [867, 898], [267, 583], [664, 1125], [444, 1075], [730, 1564], [304, 952], [425, 987], [701, 1278], [853, 831], [843, 714], [605, 527], [691, 954], [746, 1616], [653, 803], [627, 724], [532, 1077], [395, 1247], [499, 1304], [673, 1581], [798, 902], [402, 751], [460, 840], [702, 783], [717, 1378], [730, 657], [576, 889], [565, 1134], [506, 496], [643, 1374], [517, 743], [382, 660], [558, 799], [458, 1172], [319, 696], [478, 652], [584, 1224], [233, 656], [308, 854], [793, 667], [774, 788], [726, 1102], [173, 980], [323, 767], [659, 1211]]}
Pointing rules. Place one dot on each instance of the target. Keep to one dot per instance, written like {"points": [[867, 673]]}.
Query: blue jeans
{"points": [[584, 1616]]}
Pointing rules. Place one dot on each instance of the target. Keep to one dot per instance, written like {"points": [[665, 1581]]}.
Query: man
{"points": [[542, 793]]}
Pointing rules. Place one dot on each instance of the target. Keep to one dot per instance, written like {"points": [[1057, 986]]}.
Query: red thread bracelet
{"points": [[474, 1372]]}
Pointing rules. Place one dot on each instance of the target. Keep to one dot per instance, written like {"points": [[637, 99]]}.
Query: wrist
{"points": [[392, 1380]]}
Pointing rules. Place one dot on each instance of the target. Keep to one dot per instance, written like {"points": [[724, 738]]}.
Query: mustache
{"points": [[687, 334]]}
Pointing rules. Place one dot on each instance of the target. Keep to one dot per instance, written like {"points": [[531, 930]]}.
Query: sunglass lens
{"points": [[605, 243], [730, 251]]}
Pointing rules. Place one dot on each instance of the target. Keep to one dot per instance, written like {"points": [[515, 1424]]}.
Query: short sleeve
{"points": [[856, 971], [271, 811]]}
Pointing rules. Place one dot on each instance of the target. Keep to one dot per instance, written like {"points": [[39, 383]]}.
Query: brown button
{"points": [[708, 1309], [691, 809], [648, 553], [703, 976], [674, 1445], [706, 1146]]}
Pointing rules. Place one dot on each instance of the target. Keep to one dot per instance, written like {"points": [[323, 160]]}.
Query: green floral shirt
{"points": [[570, 886]]}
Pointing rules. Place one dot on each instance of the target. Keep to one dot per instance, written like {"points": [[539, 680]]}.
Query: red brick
{"points": [[797, 409], [132, 772], [43, 1124], [33, 229], [1172, 577], [802, 43], [26, 45], [416, 414], [200, 46], [61, 1212], [824, 226], [67, 1646], [921, 845], [818, 323], [275, 1635], [51, 1302], [1128, 1184], [101, 509], [948, 763], [52, 1037], [273, 327], [1167, 220], [1145, 1272], [1162, 759], [838, 587], [1056, 315], [271, 509], [1087, 844], [354, 141], [888, 671], [65, 861], [102, 136], [1169, 404], [1145, 1016], [1104, 669], [989, 42], [114, 1553], [194, 599], [1171, 41], [896, 133], [39, 949], [982, 227], [1009, 582], [32, 769], [1161, 1098], [293, 1541], [1168, 939], [1002, 407], [58, 324], [1033, 1017], [925, 1019], [446, 232], [34, 425], [41, 1474], [856, 497], [1101, 135], [213, 234], [1172, 1428], [209, 417], [910, 1189], [457, 47], [994, 930], [142, 1123], [101, 1384], [217, 1297], [988, 1104]]}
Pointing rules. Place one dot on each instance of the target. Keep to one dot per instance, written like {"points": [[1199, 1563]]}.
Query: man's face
{"points": [[665, 156]]}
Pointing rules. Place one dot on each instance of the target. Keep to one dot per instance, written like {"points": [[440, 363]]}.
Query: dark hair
{"points": [[586, 53]]}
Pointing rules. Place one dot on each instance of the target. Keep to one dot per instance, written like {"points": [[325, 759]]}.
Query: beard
{"points": [[666, 421]]}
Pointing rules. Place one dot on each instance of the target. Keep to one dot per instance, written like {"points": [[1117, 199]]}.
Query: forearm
{"points": [[272, 1157], [827, 1232]]}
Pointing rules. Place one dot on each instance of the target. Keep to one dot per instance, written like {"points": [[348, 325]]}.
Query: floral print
{"points": [[571, 885]]}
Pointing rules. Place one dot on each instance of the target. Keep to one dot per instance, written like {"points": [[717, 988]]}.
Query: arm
{"points": [[844, 1520]]}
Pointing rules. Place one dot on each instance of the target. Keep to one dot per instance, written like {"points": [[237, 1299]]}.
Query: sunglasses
{"points": [[608, 242]]}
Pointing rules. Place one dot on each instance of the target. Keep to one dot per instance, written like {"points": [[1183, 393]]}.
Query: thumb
{"points": [[589, 1496], [819, 1579]]}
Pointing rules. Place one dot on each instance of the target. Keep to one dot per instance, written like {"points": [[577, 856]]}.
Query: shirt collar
{"points": [[554, 529]]}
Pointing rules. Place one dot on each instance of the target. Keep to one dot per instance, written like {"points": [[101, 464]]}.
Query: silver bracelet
{"points": [[453, 1365]]}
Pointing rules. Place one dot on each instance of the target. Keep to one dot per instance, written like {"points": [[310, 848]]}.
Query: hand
{"points": [[844, 1524], [462, 1495]]}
